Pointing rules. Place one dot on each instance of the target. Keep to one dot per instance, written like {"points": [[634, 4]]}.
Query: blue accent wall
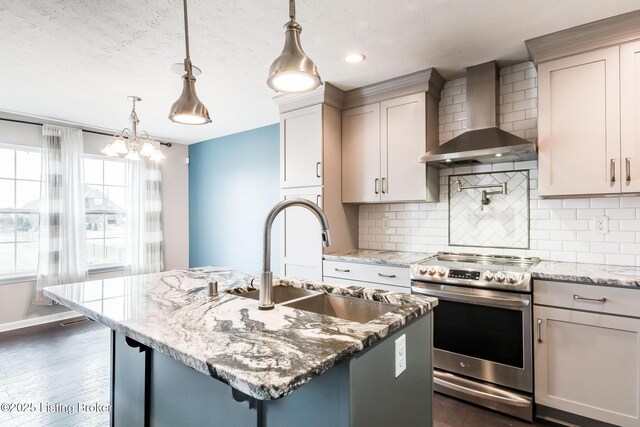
{"points": [[233, 183]]}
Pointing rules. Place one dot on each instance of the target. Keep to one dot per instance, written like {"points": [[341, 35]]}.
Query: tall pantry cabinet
{"points": [[310, 168]]}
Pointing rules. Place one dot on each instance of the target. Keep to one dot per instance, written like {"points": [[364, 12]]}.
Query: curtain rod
{"points": [[168, 144]]}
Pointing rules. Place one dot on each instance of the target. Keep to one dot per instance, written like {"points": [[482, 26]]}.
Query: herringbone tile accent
{"points": [[502, 223]]}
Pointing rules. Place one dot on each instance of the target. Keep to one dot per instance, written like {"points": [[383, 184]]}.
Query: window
{"points": [[105, 204], [19, 204]]}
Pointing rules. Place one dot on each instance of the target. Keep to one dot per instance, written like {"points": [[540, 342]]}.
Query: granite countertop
{"points": [[264, 354], [596, 274], [401, 259]]}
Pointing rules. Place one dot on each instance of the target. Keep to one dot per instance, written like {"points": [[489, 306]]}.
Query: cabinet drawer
{"points": [[384, 274], [345, 282], [598, 299]]}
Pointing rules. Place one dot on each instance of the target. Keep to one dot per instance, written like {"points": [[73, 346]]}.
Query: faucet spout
{"points": [[266, 277]]}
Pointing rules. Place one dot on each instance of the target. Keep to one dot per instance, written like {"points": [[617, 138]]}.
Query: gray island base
{"points": [[183, 358]]}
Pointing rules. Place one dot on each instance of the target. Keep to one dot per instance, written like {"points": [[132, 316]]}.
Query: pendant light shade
{"points": [[188, 109], [293, 71]]}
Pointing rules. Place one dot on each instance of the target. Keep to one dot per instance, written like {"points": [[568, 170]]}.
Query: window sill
{"points": [[31, 277], [106, 268], [19, 278]]}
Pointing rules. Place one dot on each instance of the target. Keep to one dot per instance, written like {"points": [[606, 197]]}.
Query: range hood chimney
{"points": [[483, 142]]}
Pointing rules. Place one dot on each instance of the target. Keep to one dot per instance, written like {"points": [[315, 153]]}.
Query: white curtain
{"points": [[144, 217], [62, 254]]}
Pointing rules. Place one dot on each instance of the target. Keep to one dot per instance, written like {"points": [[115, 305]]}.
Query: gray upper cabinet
{"points": [[301, 142]]}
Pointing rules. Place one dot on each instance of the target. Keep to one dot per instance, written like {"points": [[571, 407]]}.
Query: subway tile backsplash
{"points": [[560, 229]]}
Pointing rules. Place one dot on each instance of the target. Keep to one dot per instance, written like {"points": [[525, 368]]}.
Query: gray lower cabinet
{"points": [[587, 353], [152, 389]]}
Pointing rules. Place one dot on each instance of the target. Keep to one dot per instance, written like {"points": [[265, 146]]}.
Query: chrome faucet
{"points": [[266, 278]]}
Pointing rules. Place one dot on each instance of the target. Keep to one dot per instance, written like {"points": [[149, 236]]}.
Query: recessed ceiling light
{"points": [[498, 154], [354, 58]]}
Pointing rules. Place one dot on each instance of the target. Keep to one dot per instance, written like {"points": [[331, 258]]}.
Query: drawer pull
{"points": [[579, 298], [342, 270], [318, 169], [390, 276]]}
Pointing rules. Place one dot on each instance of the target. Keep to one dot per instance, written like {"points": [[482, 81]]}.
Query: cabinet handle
{"points": [[318, 169], [375, 186], [342, 270], [390, 276], [318, 197], [539, 330], [628, 164], [579, 298], [612, 170], [383, 186]]}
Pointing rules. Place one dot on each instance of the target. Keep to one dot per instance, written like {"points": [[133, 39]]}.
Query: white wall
{"points": [[15, 298], [561, 229]]}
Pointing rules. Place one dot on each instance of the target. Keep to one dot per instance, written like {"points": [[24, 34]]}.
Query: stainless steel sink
{"points": [[347, 308], [282, 294]]}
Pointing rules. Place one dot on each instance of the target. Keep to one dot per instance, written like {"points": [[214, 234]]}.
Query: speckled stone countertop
{"points": [[401, 259], [265, 354], [596, 274]]}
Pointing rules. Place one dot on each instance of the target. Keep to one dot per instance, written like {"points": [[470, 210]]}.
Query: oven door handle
{"points": [[509, 398], [475, 299]]}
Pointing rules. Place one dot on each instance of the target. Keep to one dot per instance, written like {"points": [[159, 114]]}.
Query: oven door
{"points": [[483, 334]]}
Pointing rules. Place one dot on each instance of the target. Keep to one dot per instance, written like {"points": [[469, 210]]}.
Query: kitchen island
{"points": [[183, 357]]}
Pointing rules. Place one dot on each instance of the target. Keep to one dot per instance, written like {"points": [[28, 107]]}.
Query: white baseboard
{"points": [[41, 320]]}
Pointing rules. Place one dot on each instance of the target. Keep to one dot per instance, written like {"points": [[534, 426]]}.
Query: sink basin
{"points": [[282, 294], [347, 308]]}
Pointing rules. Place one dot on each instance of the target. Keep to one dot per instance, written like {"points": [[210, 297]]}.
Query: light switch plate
{"points": [[401, 355], [601, 224]]}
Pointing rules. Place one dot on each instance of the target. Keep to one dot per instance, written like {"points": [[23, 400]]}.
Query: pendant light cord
{"points": [[186, 32], [292, 9]]}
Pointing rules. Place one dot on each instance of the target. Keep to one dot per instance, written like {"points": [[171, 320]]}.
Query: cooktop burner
{"points": [[483, 271]]}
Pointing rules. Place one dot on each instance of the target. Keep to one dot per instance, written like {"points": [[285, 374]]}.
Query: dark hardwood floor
{"points": [[53, 364], [70, 365]]}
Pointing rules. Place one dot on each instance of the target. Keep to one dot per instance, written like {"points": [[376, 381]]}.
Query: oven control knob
{"points": [[431, 270], [442, 271], [500, 276], [422, 270], [487, 275], [512, 278]]}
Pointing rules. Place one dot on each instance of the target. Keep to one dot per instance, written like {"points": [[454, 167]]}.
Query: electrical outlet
{"points": [[385, 222], [401, 355], [601, 224]]}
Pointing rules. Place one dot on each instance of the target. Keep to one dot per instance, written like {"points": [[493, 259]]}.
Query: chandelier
{"points": [[134, 144]]}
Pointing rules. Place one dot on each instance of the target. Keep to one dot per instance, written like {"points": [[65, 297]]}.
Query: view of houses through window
{"points": [[105, 203], [19, 204]]}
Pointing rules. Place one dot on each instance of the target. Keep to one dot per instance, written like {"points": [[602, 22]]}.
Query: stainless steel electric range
{"points": [[482, 328]]}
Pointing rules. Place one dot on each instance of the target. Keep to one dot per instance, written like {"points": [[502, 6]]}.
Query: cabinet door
{"points": [[579, 124], [301, 147], [361, 154], [301, 238], [588, 364], [630, 116], [403, 125]]}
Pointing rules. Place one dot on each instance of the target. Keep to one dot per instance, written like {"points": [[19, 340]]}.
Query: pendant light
{"points": [[293, 71], [188, 109]]}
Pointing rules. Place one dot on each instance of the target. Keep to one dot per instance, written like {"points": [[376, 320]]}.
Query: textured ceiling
{"points": [[77, 60]]}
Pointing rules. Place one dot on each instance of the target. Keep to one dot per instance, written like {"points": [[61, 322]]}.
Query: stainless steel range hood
{"points": [[484, 142]]}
